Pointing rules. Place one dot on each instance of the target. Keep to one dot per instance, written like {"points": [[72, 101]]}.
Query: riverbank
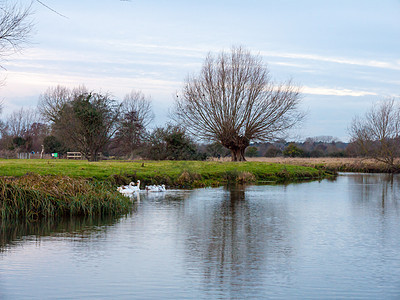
{"points": [[33, 189]]}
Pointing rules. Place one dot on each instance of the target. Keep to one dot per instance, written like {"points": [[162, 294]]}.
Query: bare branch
{"points": [[20, 121], [15, 28], [52, 101], [233, 101], [49, 8]]}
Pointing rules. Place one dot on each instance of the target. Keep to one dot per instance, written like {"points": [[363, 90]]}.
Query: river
{"points": [[329, 239]]}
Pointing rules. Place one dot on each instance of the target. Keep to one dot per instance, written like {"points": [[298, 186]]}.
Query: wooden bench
{"points": [[74, 155]]}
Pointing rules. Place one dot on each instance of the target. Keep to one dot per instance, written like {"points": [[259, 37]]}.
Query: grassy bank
{"points": [[34, 196], [33, 189], [171, 173]]}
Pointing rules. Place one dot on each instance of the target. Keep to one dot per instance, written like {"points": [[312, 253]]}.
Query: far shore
{"points": [[334, 164]]}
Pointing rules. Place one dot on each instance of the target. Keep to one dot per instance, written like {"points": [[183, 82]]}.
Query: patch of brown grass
{"points": [[245, 177], [338, 164]]}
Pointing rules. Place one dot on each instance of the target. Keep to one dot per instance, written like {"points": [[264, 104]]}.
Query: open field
{"points": [[172, 173], [344, 164]]}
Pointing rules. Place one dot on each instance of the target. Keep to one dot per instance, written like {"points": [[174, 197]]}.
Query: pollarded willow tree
{"points": [[233, 101]]}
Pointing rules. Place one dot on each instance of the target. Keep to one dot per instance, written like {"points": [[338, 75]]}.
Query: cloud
{"points": [[335, 92], [391, 65]]}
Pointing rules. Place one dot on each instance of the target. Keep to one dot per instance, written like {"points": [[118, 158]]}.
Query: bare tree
{"points": [[36, 134], [377, 134], [15, 27], [52, 101], [20, 121], [22, 131], [136, 115], [233, 101], [137, 102]]}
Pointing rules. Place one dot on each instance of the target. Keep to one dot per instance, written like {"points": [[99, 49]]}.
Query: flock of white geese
{"points": [[132, 188]]}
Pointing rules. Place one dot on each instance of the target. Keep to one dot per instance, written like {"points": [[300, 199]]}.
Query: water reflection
{"points": [[380, 190], [13, 232], [328, 239], [238, 239]]}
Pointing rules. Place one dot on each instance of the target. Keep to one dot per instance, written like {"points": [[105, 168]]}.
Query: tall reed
{"points": [[34, 196]]}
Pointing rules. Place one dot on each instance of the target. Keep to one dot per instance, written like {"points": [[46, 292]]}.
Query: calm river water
{"points": [[319, 240]]}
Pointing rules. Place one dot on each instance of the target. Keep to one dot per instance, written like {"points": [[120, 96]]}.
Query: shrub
{"points": [[172, 143], [251, 151], [292, 151], [245, 177], [272, 151], [187, 179], [234, 176]]}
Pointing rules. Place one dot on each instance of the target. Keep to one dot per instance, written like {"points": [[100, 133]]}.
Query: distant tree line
{"points": [[320, 146], [323, 146]]}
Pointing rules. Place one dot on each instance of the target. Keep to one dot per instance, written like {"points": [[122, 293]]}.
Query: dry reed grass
{"points": [[34, 196], [342, 164]]}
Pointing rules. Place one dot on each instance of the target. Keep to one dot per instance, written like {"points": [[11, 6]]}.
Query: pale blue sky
{"points": [[345, 54]]}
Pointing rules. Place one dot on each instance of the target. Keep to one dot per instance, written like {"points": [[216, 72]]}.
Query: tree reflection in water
{"points": [[240, 238], [380, 190]]}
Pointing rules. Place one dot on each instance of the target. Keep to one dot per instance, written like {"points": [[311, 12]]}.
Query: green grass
{"points": [[172, 173], [33, 189]]}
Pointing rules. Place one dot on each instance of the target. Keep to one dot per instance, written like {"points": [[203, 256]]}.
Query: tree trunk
{"points": [[238, 154], [237, 146], [93, 156]]}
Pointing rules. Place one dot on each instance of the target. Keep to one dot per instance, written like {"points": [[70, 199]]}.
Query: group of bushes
{"points": [[308, 148]]}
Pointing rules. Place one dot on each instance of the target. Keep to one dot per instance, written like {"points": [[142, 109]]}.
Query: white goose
{"points": [[156, 188], [129, 190], [134, 187], [125, 191]]}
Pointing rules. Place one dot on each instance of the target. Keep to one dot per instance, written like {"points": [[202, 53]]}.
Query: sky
{"points": [[344, 54]]}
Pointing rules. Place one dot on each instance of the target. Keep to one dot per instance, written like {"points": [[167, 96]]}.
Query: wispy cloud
{"points": [[163, 55], [335, 92], [392, 65]]}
